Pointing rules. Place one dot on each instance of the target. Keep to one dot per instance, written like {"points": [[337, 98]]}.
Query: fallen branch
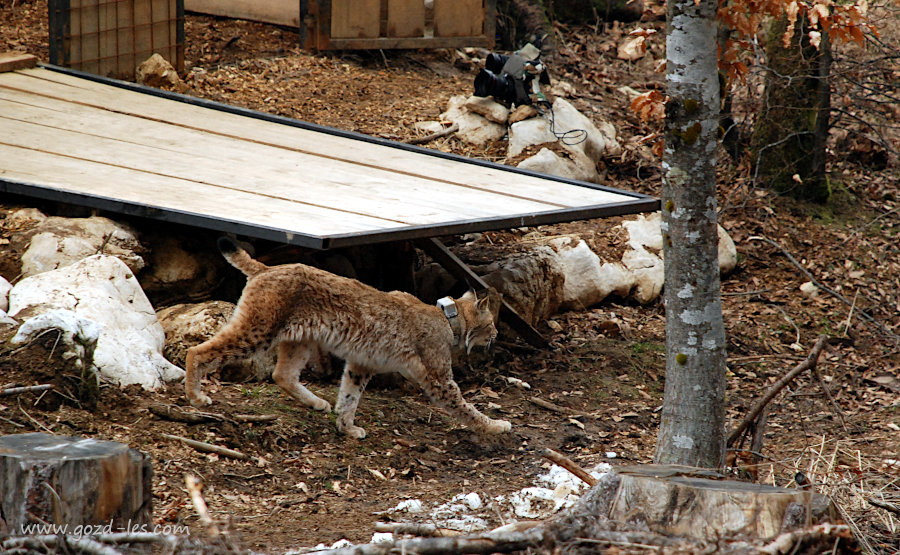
{"points": [[428, 138], [862, 314], [807, 364], [884, 505], [195, 489], [476, 544], [416, 529], [255, 417], [178, 414], [787, 542], [569, 465], [25, 389], [550, 406], [210, 448]]}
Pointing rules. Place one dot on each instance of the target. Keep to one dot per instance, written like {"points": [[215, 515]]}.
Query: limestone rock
{"points": [[103, 290], [521, 113], [175, 270], [5, 288], [473, 128], [578, 167], [489, 108], [157, 72], [57, 242], [600, 139], [534, 131], [588, 280]]}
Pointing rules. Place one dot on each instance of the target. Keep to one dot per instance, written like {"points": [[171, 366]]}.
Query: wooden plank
{"points": [[443, 256], [11, 61], [406, 18], [279, 12], [355, 18], [317, 143], [99, 180], [458, 18], [234, 165]]}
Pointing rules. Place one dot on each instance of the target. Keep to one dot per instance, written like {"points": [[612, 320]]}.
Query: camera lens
{"points": [[495, 62]]}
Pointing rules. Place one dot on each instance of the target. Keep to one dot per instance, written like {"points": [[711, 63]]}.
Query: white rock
{"points": [[473, 501], [382, 537], [104, 290], [600, 139], [579, 167], [809, 289], [587, 280], [473, 128], [56, 242], [78, 335], [489, 108], [727, 252], [530, 132], [428, 126], [5, 288]]}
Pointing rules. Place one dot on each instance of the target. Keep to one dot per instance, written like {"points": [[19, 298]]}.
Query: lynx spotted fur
{"points": [[298, 309]]}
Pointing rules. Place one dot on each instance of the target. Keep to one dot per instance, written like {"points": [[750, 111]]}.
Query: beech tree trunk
{"points": [[73, 483], [692, 428]]}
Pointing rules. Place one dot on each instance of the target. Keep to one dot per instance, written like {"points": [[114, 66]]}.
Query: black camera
{"points": [[513, 79]]}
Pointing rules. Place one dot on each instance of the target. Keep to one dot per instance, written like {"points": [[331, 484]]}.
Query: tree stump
{"points": [[72, 482], [686, 502]]}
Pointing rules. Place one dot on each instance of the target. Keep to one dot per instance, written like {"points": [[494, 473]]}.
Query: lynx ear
{"points": [[488, 299]]}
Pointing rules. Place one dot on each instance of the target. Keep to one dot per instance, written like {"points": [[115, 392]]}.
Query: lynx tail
{"points": [[239, 258]]}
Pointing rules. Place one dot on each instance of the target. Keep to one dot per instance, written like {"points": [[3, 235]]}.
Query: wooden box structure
{"points": [[112, 37], [371, 24], [368, 24]]}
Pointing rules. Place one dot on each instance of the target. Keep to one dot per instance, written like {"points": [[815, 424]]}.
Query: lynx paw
{"points": [[200, 400], [322, 405], [355, 432], [498, 427]]}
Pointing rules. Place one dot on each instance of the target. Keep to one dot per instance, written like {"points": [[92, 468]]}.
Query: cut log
{"points": [[72, 482], [677, 500]]}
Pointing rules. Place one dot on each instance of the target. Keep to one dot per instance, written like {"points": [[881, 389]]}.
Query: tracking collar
{"points": [[448, 306]]}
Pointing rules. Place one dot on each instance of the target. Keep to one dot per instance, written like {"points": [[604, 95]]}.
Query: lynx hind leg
{"points": [[226, 347], [444, 393], [293, 357], [353, 382]]}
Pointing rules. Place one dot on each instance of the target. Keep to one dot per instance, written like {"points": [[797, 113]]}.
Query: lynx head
{"points": [[479, 311]]}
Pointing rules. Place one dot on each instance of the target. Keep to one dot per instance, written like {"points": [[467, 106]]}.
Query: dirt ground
{"points": [[309, 485]]}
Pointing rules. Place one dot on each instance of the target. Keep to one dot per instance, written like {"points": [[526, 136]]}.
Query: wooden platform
{"points": [[129, 149]]}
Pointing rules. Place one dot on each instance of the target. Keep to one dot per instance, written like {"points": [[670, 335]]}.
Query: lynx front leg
{"points": [[444, 393], [292, 359], [353, 382]]}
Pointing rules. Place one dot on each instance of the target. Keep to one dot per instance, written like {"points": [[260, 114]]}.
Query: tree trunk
{"points": [[789, 137], [72, 482], [692, 426]]}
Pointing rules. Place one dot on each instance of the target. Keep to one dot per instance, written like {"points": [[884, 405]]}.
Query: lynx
{"points": [[298, 309]]}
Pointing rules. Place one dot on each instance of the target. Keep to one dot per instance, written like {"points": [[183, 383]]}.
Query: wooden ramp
{"points": [[120, 147]]}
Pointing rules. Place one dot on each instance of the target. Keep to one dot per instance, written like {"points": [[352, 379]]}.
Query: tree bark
{"points": [[72, 482], [790, 135], [692, 427]]}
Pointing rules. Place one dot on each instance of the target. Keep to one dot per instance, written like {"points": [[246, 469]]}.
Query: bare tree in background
{"points": [[692, 428]]}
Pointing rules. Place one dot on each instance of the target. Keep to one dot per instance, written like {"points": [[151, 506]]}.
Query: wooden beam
{"points": [[11, 61], [442, 255]]}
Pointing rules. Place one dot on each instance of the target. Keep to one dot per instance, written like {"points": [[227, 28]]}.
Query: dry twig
{"points": [[25, 389], [428, 138], [569, 465], [210, 448], [195, 489], [810, 362]]}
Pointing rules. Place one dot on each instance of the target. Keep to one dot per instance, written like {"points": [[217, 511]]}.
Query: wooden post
{"points": [[72, 482]]}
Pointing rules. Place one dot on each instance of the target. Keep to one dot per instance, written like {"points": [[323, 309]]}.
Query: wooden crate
{"points": [[371, 24], [112, 37]]}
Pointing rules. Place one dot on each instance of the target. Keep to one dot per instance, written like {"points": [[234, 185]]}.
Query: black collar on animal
{"points": [[448, 306]]}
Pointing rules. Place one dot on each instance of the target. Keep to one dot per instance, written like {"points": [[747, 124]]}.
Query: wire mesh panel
{"points": [[112, 37]]}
